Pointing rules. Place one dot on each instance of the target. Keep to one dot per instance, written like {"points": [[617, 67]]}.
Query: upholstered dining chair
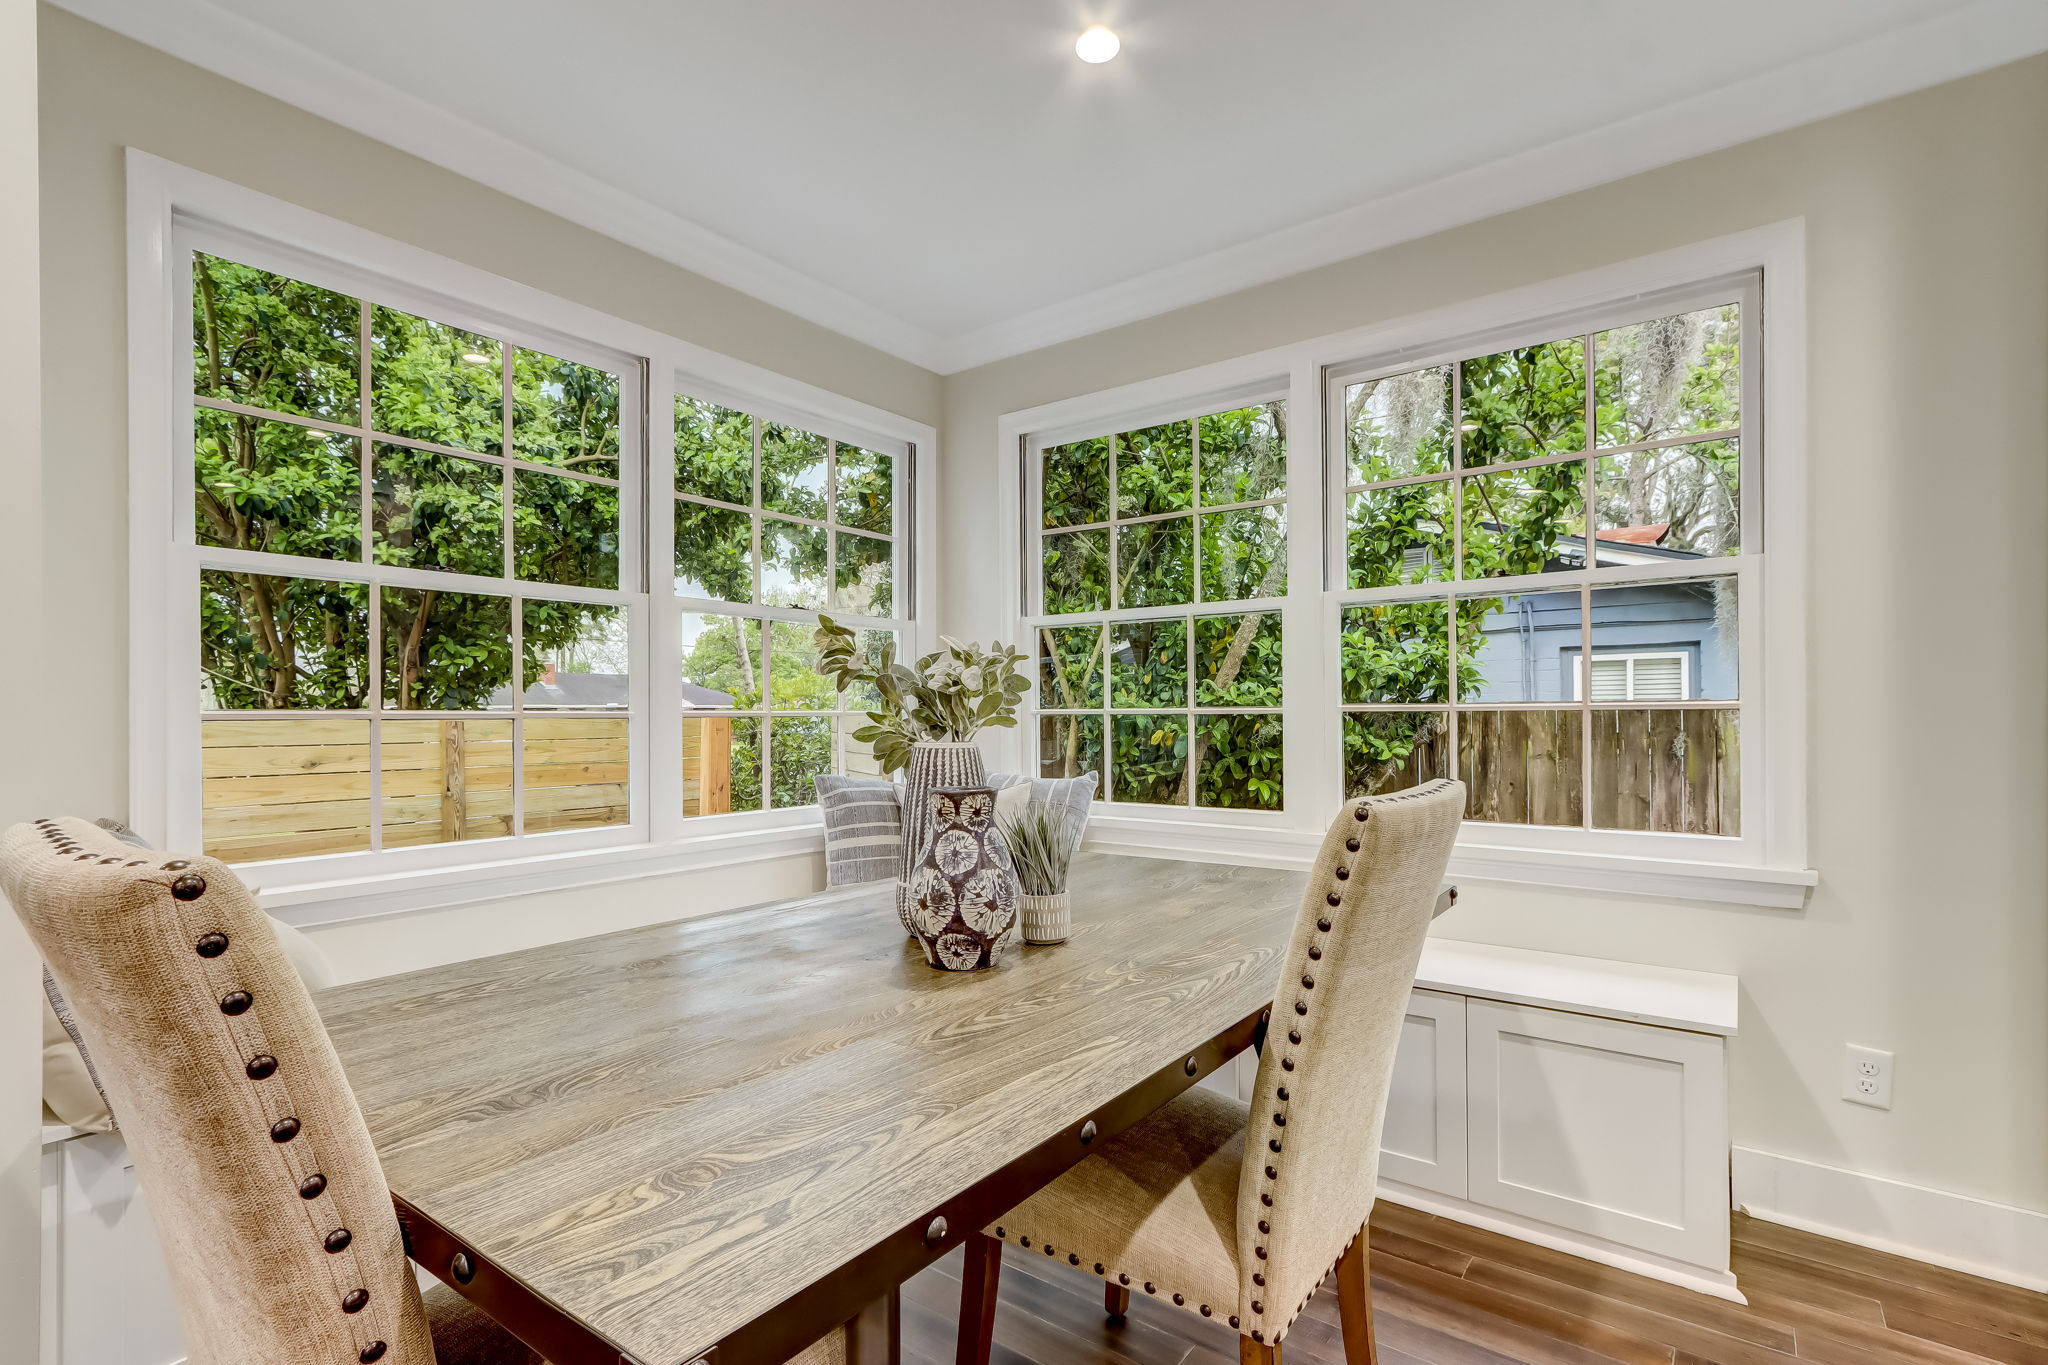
{"points": [[263, 1184], [1239, 1213]]}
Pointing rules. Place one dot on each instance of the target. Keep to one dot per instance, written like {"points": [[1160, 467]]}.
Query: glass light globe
{"points": [[1097, 45]]}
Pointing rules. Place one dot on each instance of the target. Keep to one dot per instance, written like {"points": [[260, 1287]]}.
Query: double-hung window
{"points": [[1521, 517], [1161, 557], [1543, 573], [775, 523], [415, 568], [434, 571]]}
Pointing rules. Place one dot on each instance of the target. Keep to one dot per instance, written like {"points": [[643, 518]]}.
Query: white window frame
{"points": [[905, 592], [1632, 658], [169, 208], [1033, 620], [1766, 865]]}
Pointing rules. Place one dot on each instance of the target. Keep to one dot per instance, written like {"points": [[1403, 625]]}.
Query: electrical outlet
{"points": [[1867, 1077]]}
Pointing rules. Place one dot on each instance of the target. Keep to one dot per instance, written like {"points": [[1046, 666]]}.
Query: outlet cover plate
{"points": [[1867, 1076]]}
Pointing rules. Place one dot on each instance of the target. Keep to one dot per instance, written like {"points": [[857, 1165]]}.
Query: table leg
{"points": [[875, 1337]]}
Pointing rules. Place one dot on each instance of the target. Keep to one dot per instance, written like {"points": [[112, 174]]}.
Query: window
{"points": [[773, 524], [1560, 537], [451, 631], [1639, 677], [1162, 559], [1510, 514], [415, 579]]}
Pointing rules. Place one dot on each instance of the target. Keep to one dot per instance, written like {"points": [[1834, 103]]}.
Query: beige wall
{"points": [[101, 93], [21, 733], [1928, 260]]}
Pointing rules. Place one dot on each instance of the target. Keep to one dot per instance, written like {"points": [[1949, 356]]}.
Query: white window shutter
{"points": [[1658, 677], [1610, 680]]}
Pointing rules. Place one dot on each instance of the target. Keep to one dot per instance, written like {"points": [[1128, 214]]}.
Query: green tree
{"points": [[266, 341]]}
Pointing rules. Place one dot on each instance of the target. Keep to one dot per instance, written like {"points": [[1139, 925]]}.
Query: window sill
{"points": [[397, 893], [1625, 874]]}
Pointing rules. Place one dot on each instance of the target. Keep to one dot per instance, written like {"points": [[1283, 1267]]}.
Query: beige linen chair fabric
{"points": [[71, 1093], [1172, 1206]]}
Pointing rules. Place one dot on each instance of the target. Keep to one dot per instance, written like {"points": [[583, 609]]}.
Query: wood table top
{"points": [[669, 1132]]}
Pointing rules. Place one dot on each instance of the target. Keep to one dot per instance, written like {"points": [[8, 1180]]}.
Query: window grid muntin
{"points": [[1108, 620], [1194, 513], [1741, 567], [842, 718], [378, 577]]}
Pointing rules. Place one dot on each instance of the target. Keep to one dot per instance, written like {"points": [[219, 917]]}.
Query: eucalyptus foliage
{"points": [[951, 695]]}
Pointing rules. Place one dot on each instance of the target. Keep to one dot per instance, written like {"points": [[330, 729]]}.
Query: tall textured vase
{"points": [[964, 893], [933, 764]]}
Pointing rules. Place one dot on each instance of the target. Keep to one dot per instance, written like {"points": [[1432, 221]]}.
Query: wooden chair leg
{"points": [[1116, 1301], [978, 1281], [1250, 1352], [1354, 1300]]}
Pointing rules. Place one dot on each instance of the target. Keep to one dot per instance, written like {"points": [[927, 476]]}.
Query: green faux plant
{"points": [[949, 696]]}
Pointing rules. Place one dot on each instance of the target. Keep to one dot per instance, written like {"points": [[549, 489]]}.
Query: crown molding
{"points": [[245, 52], [1963, 42], [1974, 38]]}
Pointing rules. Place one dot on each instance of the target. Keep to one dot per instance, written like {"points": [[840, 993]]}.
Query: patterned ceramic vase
{"points": [[933, 764], [963, 901]]}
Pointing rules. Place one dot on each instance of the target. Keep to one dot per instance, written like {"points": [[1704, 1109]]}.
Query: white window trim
{"points": [[1767, 866], [162, 707]]}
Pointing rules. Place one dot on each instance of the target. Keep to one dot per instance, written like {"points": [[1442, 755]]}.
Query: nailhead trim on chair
{"points": [[1335, 898], [212, 946], [1362, 812]]}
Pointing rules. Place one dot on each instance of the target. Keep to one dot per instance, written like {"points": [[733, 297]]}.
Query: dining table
{"points": [[716, 1139]]}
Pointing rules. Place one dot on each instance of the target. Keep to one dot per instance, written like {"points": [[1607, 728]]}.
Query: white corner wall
{"points": [[1927, 263], [21, 733]]}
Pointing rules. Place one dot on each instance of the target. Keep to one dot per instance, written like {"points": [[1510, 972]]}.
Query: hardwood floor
{"points": [[1447, 1294]]}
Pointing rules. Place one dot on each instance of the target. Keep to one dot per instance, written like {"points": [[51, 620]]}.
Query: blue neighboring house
{"points": [[1651, 641]]}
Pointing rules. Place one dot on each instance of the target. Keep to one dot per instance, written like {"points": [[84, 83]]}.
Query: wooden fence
{"points": [[291, 787], [1667, 770], [1676, 771], [707, 765]]}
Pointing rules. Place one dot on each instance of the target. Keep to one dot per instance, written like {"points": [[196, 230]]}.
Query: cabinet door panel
{"points": [[1423, 1142], [108, 1258], [1607, 1127]]}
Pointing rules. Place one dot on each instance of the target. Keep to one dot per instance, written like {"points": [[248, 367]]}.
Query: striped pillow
{"points": [[863, 828]]}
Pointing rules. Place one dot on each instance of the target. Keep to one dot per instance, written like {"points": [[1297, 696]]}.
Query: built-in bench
{"points": [[1569, 1101]]}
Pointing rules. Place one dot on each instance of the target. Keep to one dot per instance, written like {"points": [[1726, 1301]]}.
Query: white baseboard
{"points": [[1996, 1241]]}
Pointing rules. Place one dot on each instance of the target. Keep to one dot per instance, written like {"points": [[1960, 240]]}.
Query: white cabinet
{"points": [[107, 1296], [1423, 1143], [1580, 1112], [1615, 1129]]}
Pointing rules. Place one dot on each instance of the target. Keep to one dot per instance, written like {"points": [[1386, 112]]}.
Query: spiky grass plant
{"points": [[1042, 843]]}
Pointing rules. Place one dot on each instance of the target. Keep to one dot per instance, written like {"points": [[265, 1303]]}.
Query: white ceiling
{"points": [[943, 179]]}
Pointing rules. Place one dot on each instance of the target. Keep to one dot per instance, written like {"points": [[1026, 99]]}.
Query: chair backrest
{"points": [[263, 1184], [1313, 1140]]}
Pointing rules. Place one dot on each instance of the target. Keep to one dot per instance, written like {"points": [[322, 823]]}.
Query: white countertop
{"points": [[1700, 1002]]}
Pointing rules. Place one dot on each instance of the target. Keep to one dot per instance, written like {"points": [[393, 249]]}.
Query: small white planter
{"points": [[1047, 919]]}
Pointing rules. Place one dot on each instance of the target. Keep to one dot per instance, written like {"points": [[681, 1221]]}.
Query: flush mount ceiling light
{"points": [[1097, 45], [476, 358]]}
